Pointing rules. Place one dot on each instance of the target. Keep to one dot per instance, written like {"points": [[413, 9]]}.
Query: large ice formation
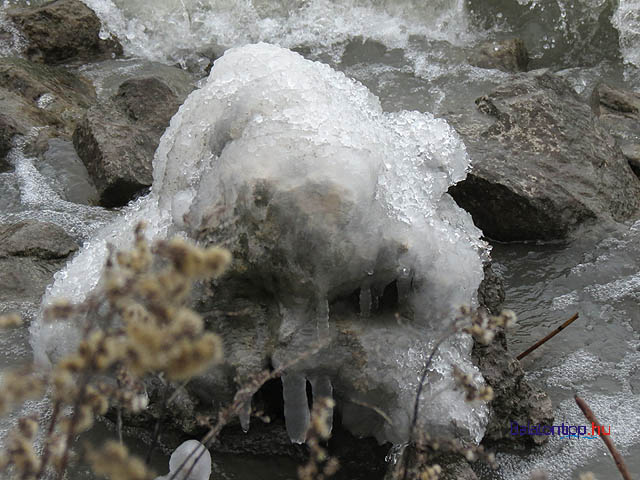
{"points": [[320, 195]]}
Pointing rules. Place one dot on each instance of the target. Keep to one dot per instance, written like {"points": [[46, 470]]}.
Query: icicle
{"points": [[322, 315], [365, 301], [245, 416], [403, 285], [322, 388], [296, 406]]}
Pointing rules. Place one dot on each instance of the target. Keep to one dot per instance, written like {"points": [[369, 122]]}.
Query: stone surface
{"points": [[117, 139], [541, 164], [7, 131], [36, 95], [619, 113], [61, 31], [491, 290], [30, 253], [31, 238], [515, 399], [506, 55]]}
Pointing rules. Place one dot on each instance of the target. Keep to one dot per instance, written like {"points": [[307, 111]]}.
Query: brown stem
{"points": [[549, 336], [605, 438]]}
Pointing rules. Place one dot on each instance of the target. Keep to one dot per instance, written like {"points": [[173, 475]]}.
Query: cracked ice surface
{"points": [[319, 193]]}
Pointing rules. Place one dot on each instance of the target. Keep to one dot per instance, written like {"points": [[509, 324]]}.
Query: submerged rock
{"points": [[619, 113], [541, 163], [507, 55], [61, 31], [116, 140]]}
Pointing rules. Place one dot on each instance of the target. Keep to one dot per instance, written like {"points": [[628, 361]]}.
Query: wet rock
{"points": [[619, 113], [117, 139], [507, 55], [66, 173], [515, 399], [491, 290], [31, 238], [30, 253], [35, 95], [541, 164], [61, 31], [7, 131]]}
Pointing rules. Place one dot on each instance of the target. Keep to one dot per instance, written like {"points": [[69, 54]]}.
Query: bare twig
{"points": [[605, 438], [239, 400], [416, 405], [548, 337]]}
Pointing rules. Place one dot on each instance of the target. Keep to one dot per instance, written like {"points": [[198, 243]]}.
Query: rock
{"points": [[506, 55], [117, 139], [30, 253], [541, 164], [31, 238], [619, 113], [515, 399], [36, 95], [491, 290], [61, 31], [7, 131]]}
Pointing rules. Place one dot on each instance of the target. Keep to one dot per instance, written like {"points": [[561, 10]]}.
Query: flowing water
{"points": [[413, 55]]}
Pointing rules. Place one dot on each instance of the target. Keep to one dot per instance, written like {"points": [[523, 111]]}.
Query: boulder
{"points": [[117, 139], [30, 253], [491, 292], [507, 55], [36, 95], [619, 113], [31, 238], [7, 131], [515, 399], [541, 163], [61, 31]]}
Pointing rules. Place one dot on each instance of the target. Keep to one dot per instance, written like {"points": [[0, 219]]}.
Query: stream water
{"points": [[413, 54]]}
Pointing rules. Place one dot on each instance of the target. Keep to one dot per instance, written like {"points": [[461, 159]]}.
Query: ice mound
{"points": [[321, 195]]}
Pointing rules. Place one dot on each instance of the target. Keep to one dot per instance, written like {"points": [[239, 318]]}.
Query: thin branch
{"points": [[241, 397], [416, 405], [548, 337], [606, 438]]}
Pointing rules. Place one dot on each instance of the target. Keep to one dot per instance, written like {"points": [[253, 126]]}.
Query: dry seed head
{"points": [[10, 320], [114, 462]]}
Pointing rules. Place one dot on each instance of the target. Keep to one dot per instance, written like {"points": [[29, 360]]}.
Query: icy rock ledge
{"points": [[321, 195]]}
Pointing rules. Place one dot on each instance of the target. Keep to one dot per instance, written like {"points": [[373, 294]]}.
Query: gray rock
{"points": [[506, 55], [31, 238], [515, 399], [7, 131], [619, 113], [25, 279], [542, 165], [61, 31], [36, 95], [491, 290], [117, 139]]}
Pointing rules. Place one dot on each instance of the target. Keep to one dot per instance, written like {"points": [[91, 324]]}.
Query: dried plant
{"points": [[136, 324]]}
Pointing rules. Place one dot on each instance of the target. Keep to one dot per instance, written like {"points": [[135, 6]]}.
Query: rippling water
{"points": [[413, 55]]}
